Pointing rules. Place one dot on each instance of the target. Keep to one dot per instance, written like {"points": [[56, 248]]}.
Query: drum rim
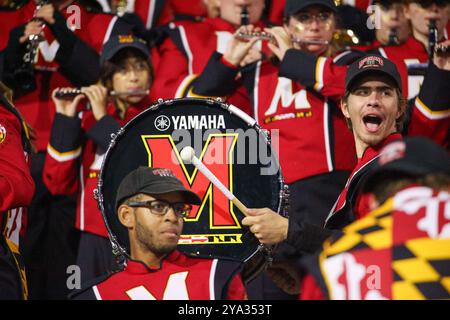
{"points": [[118, 248]]}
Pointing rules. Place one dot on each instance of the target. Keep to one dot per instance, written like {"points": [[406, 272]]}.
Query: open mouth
{"points": [[372, 122]]}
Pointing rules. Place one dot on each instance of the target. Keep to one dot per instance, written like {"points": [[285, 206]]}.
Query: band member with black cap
{"points": [[151, 204], [316, 150], [374, 109], [78, 133]]}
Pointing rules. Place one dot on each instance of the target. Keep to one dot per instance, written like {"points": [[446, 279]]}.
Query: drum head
{"points": [[234, 149]]}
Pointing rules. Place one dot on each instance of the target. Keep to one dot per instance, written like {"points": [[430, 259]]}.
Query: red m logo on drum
{"points": [[217, 155]]}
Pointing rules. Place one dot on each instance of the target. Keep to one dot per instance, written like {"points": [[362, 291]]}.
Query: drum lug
{"points": [[266, 133], [118, 252], [96, 194]]}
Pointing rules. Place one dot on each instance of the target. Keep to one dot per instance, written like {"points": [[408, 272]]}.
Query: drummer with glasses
{"points": [[81, 132], [151, 204]]}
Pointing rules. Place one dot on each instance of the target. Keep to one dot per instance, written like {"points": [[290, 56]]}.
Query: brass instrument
{"points": [[34, 39], [267, 36], [25, 73], [343, 39], [72, 93]]}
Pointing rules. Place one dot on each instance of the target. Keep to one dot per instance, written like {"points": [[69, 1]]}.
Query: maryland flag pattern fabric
{"points": [[400, 251]]}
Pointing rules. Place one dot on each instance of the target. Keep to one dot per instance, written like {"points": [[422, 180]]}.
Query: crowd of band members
{"points": [[192, 49]]}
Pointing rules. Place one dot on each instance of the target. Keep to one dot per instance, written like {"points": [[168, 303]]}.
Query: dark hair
{"points": [[116, 63], [389, 183]]}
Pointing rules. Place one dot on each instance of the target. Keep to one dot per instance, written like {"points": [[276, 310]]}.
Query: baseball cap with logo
{"points": [[117, 43], [153, 181], [415, 157], [293, 6], [372, 64]]}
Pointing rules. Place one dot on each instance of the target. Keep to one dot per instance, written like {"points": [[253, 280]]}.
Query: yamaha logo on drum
{"points": [[162, 123]]}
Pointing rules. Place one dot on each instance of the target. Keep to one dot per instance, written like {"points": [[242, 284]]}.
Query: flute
{"points": [[72, 93], [267, 36]]}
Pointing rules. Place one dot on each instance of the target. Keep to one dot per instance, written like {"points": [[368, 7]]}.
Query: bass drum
{"points": [[230, 144]]}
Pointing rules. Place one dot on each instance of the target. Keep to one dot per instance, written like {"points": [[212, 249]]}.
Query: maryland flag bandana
{"points": [[400, 251]]}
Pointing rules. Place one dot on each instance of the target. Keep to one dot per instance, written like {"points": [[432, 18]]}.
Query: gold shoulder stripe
{"points": [[63, 156], [320, 65], [427, 112]]}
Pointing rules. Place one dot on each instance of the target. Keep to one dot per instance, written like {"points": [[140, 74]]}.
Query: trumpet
{"points": [[267, 36], [34, 39], [72, 93], [25, 73]]}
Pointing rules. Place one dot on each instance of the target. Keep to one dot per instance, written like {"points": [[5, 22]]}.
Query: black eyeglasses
{"points": [[161, 207]]}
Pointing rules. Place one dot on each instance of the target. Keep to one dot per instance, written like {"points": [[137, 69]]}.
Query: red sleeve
{"points": [[330, 79], [16, 184], [321, 74], [424, 123], [61, 166], [148, 15], [60, 173], [431, 113], [236, 290], [310, 290], [276, 12], [170, 72], [189, 7]]}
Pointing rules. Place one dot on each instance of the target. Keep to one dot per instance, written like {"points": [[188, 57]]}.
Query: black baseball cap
{"points": [[293, 6], [153, 181], [372, 64], [117, 43], [417, 156]]}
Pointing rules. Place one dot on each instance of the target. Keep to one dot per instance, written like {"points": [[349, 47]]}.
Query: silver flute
{"points": [[72, 93], [267, 36]]}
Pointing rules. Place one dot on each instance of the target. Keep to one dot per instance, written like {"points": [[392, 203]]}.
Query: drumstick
{"points": [[188, 156]]}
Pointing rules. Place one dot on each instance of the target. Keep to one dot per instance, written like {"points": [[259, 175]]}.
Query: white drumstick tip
{"points": [[187, 154]]}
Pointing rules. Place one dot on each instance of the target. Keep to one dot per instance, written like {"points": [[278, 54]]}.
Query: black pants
{"points": [[310, 201], [95, 257], [10, 283], [51, 240]]}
